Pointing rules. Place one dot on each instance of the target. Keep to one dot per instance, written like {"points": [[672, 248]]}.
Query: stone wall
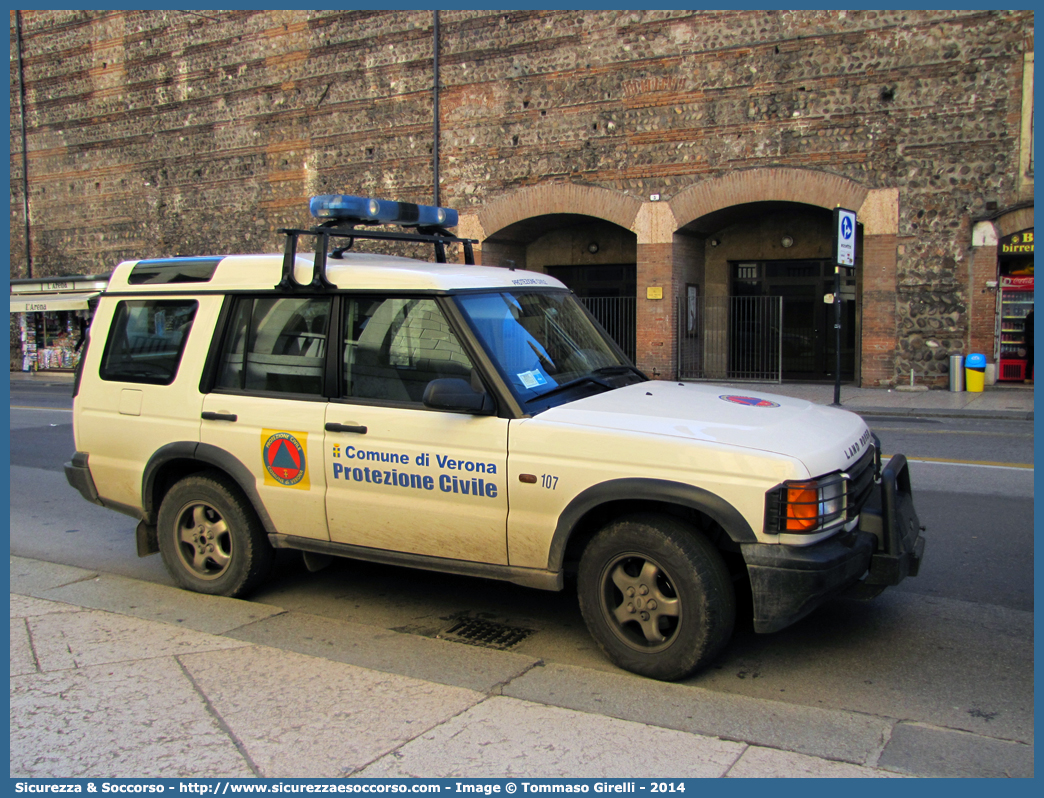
{"points": [[158, 133]]}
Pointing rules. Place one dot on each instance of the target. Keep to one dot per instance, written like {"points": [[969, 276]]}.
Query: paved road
{"points": [[980, 517], [951, 649]]}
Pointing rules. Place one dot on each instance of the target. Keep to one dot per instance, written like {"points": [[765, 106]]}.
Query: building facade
{"points": [[666, 164]]}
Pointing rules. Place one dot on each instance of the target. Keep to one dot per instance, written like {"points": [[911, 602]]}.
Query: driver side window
{"points": [[395, 346]]}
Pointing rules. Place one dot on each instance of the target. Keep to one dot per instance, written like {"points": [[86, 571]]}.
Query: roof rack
{"points": [[348, 213]]}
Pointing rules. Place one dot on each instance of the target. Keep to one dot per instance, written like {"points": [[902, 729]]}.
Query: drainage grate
{"points": [[489, 634]]}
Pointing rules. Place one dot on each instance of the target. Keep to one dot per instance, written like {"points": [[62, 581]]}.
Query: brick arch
{"points": [[1014, 221], [526, 203], [770, 184]]}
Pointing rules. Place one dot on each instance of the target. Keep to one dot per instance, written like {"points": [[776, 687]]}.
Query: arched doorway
{"points": [[759, 234], [580, 234], [595, 258], [766, 271], [550, 227]]}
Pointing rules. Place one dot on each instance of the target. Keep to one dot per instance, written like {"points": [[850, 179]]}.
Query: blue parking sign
{"points": [[844, 237]]}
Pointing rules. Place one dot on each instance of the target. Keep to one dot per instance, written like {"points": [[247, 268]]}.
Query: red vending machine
{"points": [[1016, 302]]}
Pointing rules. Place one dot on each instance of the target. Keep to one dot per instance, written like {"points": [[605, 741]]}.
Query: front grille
{"points": [[860, 482]]}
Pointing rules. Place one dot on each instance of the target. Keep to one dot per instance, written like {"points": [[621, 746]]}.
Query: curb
{"points": [[915, 412], [43, 378]]}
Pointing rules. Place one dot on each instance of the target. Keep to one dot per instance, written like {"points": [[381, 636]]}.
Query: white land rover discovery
{"points": [[472, 420]]}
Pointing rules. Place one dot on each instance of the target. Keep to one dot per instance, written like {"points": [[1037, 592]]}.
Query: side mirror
{"points": [[453, 393]]}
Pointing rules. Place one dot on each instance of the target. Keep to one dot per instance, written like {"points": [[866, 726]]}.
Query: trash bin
{"points": [[975, 372], [956, 372]]}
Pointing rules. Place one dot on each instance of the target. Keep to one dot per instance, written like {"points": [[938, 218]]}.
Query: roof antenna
{"points": [[510, 264]]}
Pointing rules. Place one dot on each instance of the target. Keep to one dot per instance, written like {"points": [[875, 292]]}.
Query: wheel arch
{"points": [[174, 461], [596, 506]]}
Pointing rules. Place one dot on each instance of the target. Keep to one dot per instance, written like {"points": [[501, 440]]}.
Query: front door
{"points": [[803, 330], [403, 477], [807, 330]]}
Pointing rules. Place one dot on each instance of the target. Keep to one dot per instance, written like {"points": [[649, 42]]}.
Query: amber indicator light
{"points": [[802, 507]]}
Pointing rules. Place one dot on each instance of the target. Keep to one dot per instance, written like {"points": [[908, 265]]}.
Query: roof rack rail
{"points": [[347, 213]]}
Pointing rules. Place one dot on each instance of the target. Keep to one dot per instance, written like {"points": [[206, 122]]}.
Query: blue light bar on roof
{"points": [[364, 209]]}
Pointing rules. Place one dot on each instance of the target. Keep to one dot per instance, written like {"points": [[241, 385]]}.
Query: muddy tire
{"points": [[656, 596], [210, 537]]}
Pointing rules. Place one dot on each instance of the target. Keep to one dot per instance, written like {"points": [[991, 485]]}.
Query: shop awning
{"points": [[34, 303]]}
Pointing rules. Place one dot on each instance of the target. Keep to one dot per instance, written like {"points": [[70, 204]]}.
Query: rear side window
{"points": [[276, 345], [146, 339]]}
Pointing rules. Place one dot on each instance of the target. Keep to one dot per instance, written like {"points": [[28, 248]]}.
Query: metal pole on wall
{"points": [[25, 157], [844, 256], [435, 97], [837, 335]]}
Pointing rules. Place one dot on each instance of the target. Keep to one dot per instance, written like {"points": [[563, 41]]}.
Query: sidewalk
{"points": [[1003, 400], [114, 677]]}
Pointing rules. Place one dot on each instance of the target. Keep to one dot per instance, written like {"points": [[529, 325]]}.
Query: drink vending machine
{"points": [[1016, 301]]}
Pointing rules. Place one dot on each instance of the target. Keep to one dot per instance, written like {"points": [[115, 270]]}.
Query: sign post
{"points": [[844, 257]]}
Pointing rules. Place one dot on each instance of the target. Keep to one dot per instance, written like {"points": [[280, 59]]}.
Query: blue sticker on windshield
{"points": [[749, 401], [531, 379]]}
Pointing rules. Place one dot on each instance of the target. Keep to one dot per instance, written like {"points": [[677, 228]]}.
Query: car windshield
{"points": [[545, 346]]}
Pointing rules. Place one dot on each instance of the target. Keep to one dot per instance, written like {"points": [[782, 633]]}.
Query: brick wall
{"points": [[656, 317], [157, 133], [879, 356], [982, 334]]}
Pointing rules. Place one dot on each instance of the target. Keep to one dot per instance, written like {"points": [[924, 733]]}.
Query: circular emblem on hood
{"points": [[749, 401]]}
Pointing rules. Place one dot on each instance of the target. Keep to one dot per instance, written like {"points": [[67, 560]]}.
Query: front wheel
{"points": [[210, 538], [656, 596]]}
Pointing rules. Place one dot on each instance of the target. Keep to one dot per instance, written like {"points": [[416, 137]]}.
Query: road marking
{"points": [[908, 431], [968, 463], [48, 409]]}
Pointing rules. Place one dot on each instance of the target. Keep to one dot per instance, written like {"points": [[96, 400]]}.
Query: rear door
{"points": [[268, 406]]}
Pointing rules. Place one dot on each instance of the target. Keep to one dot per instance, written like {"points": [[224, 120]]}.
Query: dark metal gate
{"points": [[730, 338], [617, 315]]}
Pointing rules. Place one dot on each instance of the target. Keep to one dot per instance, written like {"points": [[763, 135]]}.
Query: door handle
{"points": [[358, 428], [210, 415]]}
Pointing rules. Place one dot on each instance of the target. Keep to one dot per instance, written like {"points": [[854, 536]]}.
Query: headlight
{"points": [[806, 506]]}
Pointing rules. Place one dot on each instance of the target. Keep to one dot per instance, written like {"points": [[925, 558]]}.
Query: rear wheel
{"points": [[210, 538], [656, 596]]}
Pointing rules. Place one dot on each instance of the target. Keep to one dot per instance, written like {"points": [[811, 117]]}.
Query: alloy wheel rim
{"points": [[640, 603], [204, 541]]}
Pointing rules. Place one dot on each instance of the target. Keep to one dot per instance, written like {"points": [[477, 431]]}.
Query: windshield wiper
{"points": [[565, 386], [610, 371], [593, 378], [548, 365]]}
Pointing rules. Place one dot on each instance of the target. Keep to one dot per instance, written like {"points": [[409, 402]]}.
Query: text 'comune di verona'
{"points": [[396, 477]]}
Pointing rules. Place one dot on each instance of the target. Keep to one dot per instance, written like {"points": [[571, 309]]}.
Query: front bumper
{"points": [[788, 582]]}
